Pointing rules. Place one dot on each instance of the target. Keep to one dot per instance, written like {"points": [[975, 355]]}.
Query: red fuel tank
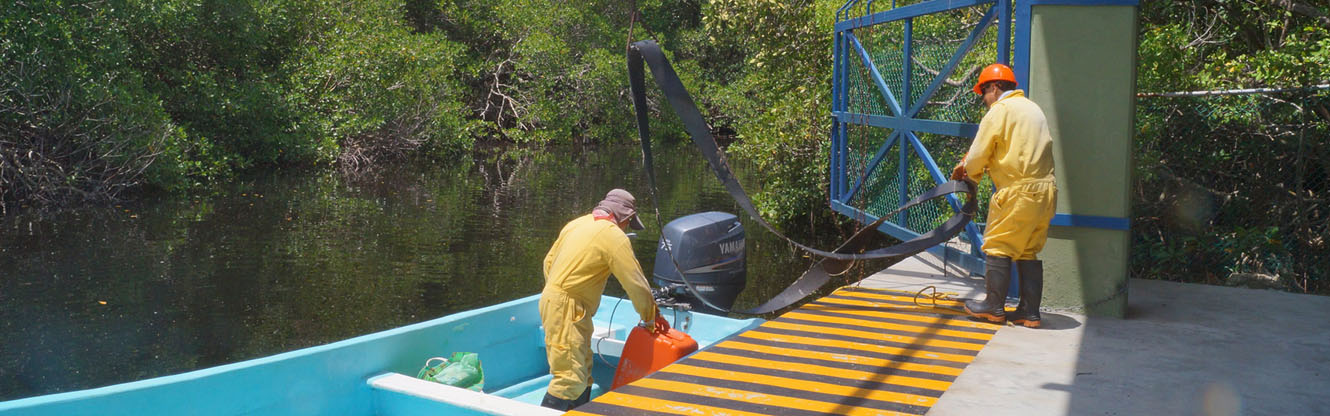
{"points": [[645, 352]]}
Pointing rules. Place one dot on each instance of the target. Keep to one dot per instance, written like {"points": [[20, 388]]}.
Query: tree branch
{"points": [[1304, 10]]}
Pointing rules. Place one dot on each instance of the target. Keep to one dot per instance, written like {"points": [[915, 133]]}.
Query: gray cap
{"points": [[622, 204]]}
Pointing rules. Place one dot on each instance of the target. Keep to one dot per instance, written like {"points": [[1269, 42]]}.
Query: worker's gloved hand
{"points": [[661, 326], [958, 172]]}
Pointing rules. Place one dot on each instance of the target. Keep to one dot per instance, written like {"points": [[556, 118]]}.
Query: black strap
{"points": [[649, 52]]}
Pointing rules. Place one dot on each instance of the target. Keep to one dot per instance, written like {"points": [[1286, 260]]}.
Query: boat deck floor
{"points": [[857, 351]]}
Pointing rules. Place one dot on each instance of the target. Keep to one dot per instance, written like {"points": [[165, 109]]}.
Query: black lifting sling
{"points": [[649, 52]]}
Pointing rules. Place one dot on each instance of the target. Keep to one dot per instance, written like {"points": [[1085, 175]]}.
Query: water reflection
{"points": [[104, 295]]}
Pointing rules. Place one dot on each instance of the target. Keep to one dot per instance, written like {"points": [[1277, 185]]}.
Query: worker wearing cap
{"points": [[1014, 146], [588, 250]]}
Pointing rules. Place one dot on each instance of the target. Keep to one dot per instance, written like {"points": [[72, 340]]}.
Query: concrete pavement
{"points": [[1183, 349]]}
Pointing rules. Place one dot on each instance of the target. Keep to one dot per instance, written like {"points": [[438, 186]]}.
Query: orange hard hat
{"points": [[994, 72]]}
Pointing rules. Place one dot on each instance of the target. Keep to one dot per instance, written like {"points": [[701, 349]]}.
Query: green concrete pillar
{"points": [[1082, 72]]}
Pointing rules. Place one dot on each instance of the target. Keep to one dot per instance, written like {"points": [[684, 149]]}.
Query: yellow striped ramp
{"points": [[857, 351]]}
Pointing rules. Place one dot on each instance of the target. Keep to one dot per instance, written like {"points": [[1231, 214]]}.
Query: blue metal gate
{"points": [[902, 97]]}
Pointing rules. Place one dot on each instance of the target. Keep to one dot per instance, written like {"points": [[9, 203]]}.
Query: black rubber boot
{"points": [[1032, 291], [564, 405], [586, 397], [997, 276]]}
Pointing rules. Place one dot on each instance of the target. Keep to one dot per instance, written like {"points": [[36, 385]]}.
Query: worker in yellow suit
{"points": [[588, 250], [1014, 146]]}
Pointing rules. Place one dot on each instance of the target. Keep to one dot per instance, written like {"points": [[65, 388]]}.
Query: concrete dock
{"points": [[1183, 349]]}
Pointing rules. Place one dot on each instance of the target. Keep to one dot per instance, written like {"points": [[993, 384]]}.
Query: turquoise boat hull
{"points": [[374, 374]]}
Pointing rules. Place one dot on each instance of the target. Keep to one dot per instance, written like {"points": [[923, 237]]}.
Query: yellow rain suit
{"points": [[1013, 144], [576, 269]]}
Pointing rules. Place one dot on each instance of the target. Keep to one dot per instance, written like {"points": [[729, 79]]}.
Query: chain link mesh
{"points": [[1232, 189], [935, 39]]}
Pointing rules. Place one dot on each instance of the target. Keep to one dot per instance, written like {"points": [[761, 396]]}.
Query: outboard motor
{"points": [[708, 248]]}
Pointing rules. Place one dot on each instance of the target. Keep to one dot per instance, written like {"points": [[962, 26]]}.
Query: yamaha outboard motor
{"points": [[708, 248]]}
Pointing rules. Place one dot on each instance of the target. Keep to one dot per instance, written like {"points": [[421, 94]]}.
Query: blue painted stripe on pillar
{"points": [[1091, 221]]}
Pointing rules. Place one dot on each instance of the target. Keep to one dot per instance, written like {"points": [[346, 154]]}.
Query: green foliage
{"points": [[204, 89], [214, 66], [371, 89], [1212, 45], [76, 122], [778, 101], [1232, 184], [544, 71], [182, 93]]}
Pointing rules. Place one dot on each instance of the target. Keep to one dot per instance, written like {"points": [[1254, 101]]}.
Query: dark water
{"points": [[104, 295]]}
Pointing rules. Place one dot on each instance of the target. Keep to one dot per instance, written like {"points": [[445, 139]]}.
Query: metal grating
{"points": [[857, 351]]}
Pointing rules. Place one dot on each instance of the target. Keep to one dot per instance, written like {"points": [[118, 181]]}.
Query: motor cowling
{"points": [[708, 250]]}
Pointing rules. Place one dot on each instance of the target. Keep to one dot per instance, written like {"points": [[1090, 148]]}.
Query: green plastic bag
{"points": [[462, 370]]}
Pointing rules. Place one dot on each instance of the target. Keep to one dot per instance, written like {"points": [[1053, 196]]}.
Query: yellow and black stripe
{"points": [[856, 351]]}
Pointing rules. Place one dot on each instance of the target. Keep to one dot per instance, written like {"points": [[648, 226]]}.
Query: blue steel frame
{"points": [[902, 121]]}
